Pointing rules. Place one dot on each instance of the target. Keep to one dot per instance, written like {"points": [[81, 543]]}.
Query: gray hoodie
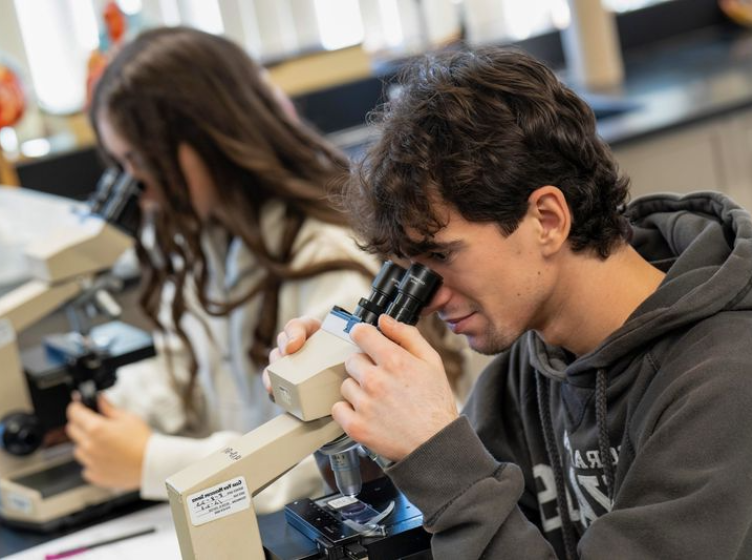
{"points": [[667, 398]]}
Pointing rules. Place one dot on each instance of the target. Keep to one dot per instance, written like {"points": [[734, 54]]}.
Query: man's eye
{"points": [[437, 256]]}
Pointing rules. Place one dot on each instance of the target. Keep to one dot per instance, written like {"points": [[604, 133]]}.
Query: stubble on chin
{"points": [[491, 342]]}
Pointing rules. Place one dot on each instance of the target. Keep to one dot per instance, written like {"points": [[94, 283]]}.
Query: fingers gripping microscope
{"points": [[211, 500], [40, 484]]}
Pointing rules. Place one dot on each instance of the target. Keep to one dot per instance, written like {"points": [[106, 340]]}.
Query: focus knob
{"points": [[20, 433]]}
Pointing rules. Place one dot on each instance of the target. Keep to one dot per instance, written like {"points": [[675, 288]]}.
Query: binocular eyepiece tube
{"points": [[399, 293], [415, 290], [116, 200]]}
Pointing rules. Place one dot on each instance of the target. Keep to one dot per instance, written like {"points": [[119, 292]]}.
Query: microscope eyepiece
{"points": [[415, 291], [116, 200], [21, 433], [383, 290]]}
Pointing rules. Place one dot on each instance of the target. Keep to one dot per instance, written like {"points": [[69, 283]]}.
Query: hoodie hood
{"points": [[703, 241]]}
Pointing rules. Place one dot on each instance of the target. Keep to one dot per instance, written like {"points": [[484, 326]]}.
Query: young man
{"points": [[616, 419]]}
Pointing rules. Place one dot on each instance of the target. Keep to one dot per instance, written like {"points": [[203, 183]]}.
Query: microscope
{"points": [[41, 487], [211, 499]]}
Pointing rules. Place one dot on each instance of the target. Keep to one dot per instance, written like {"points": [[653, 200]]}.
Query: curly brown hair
{"points": [[481, 130]]}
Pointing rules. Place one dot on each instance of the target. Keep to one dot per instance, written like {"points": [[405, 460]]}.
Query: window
{"points": [[202, 14], [629, 5], [59, 35], [340, 23]]}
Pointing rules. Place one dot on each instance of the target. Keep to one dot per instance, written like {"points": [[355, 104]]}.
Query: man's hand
{"points": [[397, 396], [290, 340], [110, 445]]}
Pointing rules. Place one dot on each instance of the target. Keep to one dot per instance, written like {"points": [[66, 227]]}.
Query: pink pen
{"points": [[87, 547]]}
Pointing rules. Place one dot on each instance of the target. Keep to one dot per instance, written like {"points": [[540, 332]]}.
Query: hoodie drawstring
{"points": [[570, 546], [604, 444]]}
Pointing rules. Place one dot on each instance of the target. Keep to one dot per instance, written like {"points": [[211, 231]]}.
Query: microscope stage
{"points": [[315, 530]]}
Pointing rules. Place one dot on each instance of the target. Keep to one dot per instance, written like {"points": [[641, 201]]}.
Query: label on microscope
{"points": [[17, 502], [219, 501]]}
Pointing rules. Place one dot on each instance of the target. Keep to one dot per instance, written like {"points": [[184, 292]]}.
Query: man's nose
{"points": [[439, 300]]}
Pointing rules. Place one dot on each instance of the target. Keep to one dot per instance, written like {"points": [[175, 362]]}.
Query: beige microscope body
{"points": [[62, 264], [211, 500]]}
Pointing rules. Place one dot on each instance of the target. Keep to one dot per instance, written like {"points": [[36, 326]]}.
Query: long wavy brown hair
{"points": [[173, 86]]}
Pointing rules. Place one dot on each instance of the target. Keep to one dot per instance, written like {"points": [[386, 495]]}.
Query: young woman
{"points": [[237, 238]]}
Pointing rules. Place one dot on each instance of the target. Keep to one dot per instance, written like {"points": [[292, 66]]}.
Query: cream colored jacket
{"points": [[230, 384]]}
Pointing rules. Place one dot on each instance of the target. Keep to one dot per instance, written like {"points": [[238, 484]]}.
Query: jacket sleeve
{"points": [[473, 513], [477, 512], [145, 388], [166, 455]]}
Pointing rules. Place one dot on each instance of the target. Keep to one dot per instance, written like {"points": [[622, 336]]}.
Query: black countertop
{"points": [[671, 84], [682, 82]]}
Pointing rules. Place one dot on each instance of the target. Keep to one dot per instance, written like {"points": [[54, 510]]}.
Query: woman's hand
{"points": [[110, 446], [290, 340]]}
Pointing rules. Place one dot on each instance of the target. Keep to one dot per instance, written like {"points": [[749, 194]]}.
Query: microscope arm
{"points": [[35, 299], [306, 385], [211, 500]]}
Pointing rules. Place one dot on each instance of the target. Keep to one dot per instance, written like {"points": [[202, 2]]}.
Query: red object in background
{"points": [[116, 25], [114, 20], [94, 69], [12, 101], [739, 11]]}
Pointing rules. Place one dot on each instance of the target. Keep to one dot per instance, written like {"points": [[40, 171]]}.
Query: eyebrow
{"points": [[419, 248], [449, 245]]}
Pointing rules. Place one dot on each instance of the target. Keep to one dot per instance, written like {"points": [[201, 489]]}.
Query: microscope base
{"points": [[54, 498]]}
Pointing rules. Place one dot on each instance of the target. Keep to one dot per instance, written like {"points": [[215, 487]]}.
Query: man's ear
{"points": [[549, 207]]}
